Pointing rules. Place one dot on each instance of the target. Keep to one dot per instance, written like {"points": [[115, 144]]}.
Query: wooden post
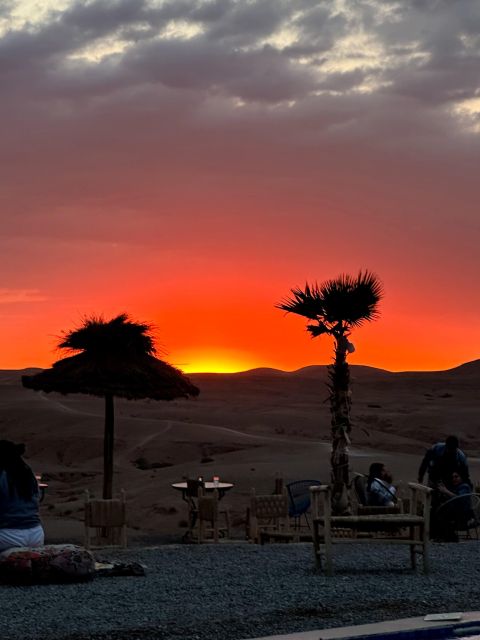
{"points": [[278, 484], [426, 531], [123, 535], [315, 524], [87, 519], [108, 438], [253, 519], [328, 532]]}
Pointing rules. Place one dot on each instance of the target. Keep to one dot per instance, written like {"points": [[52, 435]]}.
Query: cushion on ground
{"points": [[50, 563]]}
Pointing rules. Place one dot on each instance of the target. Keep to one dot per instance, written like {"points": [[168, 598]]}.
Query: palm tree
{"points": [[336, 307], [112, 358]]}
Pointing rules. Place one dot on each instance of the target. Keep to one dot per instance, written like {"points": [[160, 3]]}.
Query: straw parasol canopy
{"points": [[112, 358]]}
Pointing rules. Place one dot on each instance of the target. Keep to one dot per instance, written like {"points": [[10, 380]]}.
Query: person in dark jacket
{"points": [[20, 524], [441, 460]]}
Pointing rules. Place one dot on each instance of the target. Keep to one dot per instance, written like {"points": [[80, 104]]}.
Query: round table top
{"points": [[38, 478], [208, 486]]}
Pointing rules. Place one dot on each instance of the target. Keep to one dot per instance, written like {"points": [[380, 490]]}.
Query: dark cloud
{"points": [[229, 108]]}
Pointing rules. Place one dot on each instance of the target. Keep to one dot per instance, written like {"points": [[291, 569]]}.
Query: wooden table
{"points": [[220, 487]]}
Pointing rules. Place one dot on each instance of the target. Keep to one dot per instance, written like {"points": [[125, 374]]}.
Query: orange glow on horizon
{"points": [[199, 331], [262, 335], [214, 361]]}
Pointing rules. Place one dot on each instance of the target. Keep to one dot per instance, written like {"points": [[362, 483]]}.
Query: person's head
{"points": [[457, 478], [20, 477], [10, 453], [451, 445], [379, 470]]}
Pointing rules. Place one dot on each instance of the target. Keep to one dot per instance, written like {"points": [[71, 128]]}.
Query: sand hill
{"points": [[246, 427]]}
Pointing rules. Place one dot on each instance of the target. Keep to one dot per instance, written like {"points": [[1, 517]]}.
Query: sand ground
{"points": [[247, 428]]}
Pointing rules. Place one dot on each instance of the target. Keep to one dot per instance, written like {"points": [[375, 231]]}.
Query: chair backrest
{"points": [[269, 507], [105, 513], [193, 487], [108, 518], [360, 488], [208, 507], [299, 496]]}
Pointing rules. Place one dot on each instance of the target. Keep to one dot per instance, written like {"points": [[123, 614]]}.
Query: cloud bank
{"points": [[139, 134]]}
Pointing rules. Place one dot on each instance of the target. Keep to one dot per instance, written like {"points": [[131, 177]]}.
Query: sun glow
{"points": [[214, 361]]}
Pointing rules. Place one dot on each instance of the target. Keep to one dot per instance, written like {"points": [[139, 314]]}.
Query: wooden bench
{"points": [[410, 529]]}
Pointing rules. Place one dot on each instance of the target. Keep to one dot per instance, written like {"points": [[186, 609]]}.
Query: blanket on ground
{"points": [[50, 563]]}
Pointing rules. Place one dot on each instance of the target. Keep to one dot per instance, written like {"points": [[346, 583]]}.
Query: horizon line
{"points": [[368, 366]]}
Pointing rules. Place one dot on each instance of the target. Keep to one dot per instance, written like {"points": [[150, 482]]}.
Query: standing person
{"points": [[380, 490], [441, 460], [20, 524]]}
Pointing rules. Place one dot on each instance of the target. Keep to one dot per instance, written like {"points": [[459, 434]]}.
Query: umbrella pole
{"points": [[108, 447]]}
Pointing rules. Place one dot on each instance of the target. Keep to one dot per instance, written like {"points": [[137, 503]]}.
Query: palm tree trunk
{"points": [[339, 375], [108, 447]]}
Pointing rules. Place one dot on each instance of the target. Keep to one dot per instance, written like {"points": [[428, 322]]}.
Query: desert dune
{"points": [[246, 427]]}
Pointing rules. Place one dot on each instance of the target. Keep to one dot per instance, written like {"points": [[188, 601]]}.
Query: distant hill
{"points": [[315, 371], [319, 371], [468, 368]]}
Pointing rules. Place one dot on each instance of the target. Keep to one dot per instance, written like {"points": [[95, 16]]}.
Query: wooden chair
{"points": [[410, 529], [190, 495], [208, 515], [268, 518], [108, 518]]}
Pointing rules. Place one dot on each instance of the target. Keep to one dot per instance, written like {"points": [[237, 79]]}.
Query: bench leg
{"points": [[413, 548], [425, 536], [327, 533], [316, 546]]}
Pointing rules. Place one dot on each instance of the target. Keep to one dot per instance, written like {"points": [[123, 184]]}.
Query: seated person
{"points": [[380, 491], [459, 511], [20, 524]]}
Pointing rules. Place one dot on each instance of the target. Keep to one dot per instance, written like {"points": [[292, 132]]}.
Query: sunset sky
{"points": [[189, 161]]}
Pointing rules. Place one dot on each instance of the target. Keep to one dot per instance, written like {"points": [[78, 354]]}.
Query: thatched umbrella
{"points": [[116, 358]]}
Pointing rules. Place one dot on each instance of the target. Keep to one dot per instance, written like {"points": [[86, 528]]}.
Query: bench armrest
{"points": [[320, 499], [420, 498], [420, 487]]}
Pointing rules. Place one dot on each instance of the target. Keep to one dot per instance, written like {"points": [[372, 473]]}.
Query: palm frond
{"points": [[317, 329], [366, 295], [353, 300], [306, 302]]}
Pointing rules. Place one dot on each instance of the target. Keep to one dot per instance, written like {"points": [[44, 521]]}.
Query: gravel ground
{"points": [[237, 591]]}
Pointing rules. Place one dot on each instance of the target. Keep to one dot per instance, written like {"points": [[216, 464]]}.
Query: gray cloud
{"points": [[225, 108]]}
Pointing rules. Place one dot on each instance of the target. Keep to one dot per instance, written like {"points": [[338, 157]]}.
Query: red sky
{"points": [[190, 162]]}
